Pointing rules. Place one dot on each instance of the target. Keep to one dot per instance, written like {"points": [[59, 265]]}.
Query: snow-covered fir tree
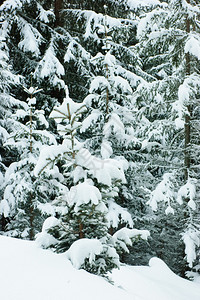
{"points": [[26, 200], [7, 81], [88, 210], [108, 129], [111, 128], [167, 110]]}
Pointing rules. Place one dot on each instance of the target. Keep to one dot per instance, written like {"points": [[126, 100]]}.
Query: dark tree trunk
{"points": [[3, 222], [187, 117], [31, 233], [58, 6], [81, 235]]}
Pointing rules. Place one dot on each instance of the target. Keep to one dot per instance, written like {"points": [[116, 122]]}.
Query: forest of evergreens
{"points": [[99, 128]]}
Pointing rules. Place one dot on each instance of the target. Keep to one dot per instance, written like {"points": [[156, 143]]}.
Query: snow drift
{"points": [[28, 272]]}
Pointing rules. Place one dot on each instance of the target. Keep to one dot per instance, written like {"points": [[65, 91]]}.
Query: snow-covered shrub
{"points": [[93, 256]]}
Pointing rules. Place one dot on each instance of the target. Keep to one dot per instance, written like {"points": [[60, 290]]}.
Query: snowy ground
{"points": [[30, 273]]}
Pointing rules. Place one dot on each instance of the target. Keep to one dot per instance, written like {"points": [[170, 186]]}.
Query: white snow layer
{"points": [[45, 14], [116, 214], [51, 67], [82, 249], [31, 39], [163, 192], [104, 170], [188, 191], [125, 236], [29, 272], [83, 193], [67, 110], [192, 46], [44, 239], [47, 156], [91, 119], [191, 240], [186, 92], [106, 149], [134, 4], [11, 5]]}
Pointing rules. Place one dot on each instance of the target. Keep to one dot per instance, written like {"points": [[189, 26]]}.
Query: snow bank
{"points": [[28, 272], [156, 282]]}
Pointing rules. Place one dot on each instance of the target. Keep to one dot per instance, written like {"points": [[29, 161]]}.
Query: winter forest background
{"points": [[99, 129]]}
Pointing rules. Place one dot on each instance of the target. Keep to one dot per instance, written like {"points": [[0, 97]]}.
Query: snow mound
{"points": [[25, 267], [82, 249], [155, 282], [159, 264]]}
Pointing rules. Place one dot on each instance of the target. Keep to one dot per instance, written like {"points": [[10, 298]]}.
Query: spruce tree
{"points": [[88, 209], [26, 200], [166, 106], [7, 81]]}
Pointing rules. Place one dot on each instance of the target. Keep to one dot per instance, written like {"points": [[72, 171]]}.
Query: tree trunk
{"points": [[81, 235], [4, 222], [58, 5], [187, 117], [31, 233]]}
